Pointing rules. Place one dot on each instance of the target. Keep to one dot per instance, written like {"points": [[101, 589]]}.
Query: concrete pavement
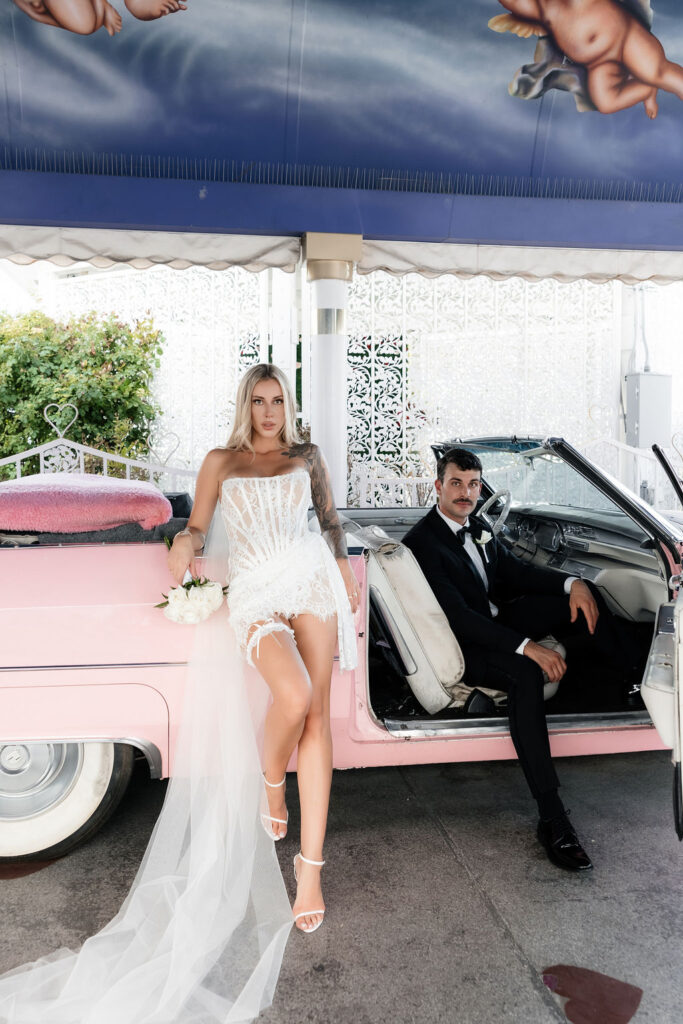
{"points": [[441, 904]]}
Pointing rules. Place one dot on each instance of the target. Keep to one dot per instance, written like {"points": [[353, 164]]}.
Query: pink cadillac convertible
{"points": [[92, 674]]}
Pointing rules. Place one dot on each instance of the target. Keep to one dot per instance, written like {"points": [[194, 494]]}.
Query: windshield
{"points": [[537, 479], [542, 482]]}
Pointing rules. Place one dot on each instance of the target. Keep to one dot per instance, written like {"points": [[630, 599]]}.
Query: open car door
{"points": [[662, 688], [662, 691]]}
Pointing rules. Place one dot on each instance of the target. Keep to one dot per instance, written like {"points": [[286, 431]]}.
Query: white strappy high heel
{"points": [[307, 913], [265, 817]]}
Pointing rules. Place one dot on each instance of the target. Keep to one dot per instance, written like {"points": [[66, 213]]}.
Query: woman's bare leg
{"points": [[316, 641], [284, 671]]}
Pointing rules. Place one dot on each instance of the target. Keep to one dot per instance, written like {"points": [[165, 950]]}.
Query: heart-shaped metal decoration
{"points": [[60, 408], [164, 443]]}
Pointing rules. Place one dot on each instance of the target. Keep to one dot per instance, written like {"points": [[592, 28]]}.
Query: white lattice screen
{"points": [[430, 359], [433, 359], [215, 324]]}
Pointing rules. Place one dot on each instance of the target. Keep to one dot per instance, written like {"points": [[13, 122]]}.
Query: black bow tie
{"points": [[474, 528]]}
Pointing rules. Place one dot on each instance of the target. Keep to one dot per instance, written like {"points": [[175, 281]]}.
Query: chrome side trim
{"points": [[65, 668], [447, 728], [150, 750]]}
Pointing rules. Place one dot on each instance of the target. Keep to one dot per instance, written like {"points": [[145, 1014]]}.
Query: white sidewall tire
{"points": [[93, 795]]}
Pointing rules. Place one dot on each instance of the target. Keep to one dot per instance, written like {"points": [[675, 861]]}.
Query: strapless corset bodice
{"points": [[279, 568], [264, 516]]}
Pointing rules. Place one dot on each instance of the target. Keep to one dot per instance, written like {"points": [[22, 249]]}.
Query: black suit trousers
{"points": [[522, 679]]}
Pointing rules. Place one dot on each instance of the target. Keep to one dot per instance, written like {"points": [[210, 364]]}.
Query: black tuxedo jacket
{"points": [[460, 590]]}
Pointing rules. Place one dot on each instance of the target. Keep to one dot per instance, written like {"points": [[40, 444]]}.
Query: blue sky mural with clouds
{"points": [[361, 83]]}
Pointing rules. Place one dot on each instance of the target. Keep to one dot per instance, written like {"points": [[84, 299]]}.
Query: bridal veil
{"points": [[201, 934]]}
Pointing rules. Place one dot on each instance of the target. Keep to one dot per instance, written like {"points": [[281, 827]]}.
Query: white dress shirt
{"points": [[475, 552]]}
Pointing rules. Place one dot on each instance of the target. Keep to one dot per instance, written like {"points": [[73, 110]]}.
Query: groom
{"points": [[498, 607]]}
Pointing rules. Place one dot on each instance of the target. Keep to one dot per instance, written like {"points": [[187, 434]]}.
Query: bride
{"points": [[200, 937], [287, 605]]}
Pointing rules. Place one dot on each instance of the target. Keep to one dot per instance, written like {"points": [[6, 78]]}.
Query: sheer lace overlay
{"points": [[278, 567], [200, 936]]}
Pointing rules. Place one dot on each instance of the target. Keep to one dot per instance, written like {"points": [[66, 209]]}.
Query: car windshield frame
{"points": [[634, 507]]}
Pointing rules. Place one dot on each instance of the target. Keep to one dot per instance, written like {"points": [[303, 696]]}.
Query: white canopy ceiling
{"points": [[142, 249], [432, 259], [103, 248]]}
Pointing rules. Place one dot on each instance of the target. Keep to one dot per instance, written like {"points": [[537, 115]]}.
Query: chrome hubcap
{"points": [[36, 776]]}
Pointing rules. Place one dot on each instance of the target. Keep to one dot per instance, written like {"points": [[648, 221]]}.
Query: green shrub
{"points": [[104, 367]]}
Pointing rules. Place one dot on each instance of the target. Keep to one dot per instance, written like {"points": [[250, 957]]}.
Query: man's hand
{"points": [[552, 664], [581, 599]]}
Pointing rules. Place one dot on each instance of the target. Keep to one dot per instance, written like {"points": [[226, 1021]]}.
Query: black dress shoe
{"points": [[562, 844], [479, 704]]}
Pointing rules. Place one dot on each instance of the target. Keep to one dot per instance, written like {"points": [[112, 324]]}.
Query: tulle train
{"points": [[201, 934]]}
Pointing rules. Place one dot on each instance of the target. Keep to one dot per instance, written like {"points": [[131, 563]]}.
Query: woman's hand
{"points": [[350, 582], [182, 555], [181, 558]]}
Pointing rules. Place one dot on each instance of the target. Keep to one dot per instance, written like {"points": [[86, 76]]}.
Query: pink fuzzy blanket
{"points": [[77, 503]]}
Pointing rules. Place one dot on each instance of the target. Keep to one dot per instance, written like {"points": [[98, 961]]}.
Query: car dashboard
{"points": [[620, 559]]}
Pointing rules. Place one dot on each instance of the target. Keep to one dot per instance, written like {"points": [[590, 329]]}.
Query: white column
{"points": [[328, 380], [330, 260]]}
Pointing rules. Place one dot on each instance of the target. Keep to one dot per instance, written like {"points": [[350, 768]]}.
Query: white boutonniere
{"points": [[482, 540]]}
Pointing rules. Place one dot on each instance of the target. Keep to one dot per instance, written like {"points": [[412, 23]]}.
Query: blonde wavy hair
{"points": [[240, 436]]}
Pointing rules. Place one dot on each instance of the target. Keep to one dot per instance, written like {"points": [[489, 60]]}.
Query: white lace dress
{"points": [[278, 567]]}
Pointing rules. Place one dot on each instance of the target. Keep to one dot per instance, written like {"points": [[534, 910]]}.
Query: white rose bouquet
{"points": [[193, 601]]}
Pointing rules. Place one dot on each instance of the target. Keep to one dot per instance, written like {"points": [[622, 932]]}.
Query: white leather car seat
{"points": [[432, 658]]}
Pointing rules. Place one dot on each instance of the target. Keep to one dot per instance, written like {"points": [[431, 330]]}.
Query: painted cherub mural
{"points": [[602, 51], [87, 16]]}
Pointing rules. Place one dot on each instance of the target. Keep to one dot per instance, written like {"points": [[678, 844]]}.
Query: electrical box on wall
{"points": [[648, 409]]}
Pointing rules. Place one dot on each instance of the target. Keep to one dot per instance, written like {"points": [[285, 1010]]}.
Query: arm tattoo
{"points": [[323, 499]]}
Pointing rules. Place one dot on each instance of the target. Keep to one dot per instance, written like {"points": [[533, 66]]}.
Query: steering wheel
{"points": [[499, 523]]}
